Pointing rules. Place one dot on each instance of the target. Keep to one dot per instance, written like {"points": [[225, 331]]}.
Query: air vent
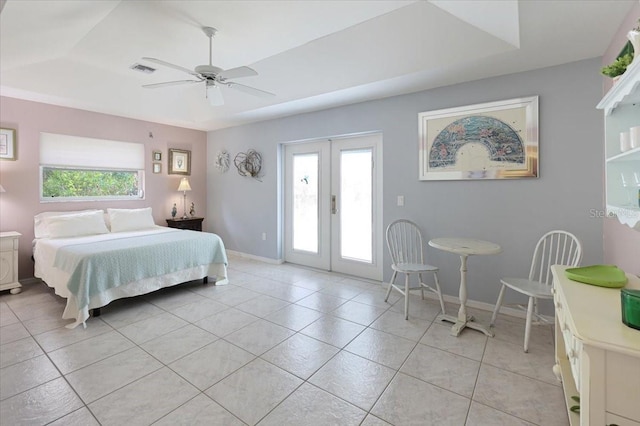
{"points": [[143, 68]]}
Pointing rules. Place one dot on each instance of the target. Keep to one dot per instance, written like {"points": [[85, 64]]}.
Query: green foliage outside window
{"points": [[88, 183]]}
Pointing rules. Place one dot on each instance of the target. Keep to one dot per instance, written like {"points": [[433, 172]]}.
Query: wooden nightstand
{"points": [[192, 223], [9, 262]]}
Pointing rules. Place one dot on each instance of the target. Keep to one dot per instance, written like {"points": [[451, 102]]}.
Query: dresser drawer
{"points": [[575, 359], [567, 335]]}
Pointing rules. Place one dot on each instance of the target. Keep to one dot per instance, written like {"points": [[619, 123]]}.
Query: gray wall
{"points": [[512, 213]]}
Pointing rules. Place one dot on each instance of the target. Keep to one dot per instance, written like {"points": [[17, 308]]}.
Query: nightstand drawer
{"points": [[8, 244], [192, 223], [9, 262]]}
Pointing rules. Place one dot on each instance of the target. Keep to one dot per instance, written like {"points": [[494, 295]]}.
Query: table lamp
{"points": [[184, 187]]}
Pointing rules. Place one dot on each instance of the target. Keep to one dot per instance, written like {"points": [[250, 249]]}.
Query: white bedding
{"points": [[46, 249]]}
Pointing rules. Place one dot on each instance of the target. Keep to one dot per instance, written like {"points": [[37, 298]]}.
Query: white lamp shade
{"points": [[184, 185]]}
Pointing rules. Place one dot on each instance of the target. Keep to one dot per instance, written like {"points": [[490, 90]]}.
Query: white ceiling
{"points": [[311, 54]]}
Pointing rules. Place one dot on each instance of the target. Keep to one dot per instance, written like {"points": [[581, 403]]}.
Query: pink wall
{"points": [[621, 244], [618, 41], [20, 178]]}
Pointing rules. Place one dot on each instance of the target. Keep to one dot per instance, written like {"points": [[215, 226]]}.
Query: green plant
{"points": [[619, 66], [575, 408]]}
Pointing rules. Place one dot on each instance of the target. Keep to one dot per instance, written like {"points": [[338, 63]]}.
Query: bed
{"points": [[91, 258]]}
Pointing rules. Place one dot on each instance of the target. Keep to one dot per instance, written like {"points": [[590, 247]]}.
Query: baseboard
{"points": [[518, 313], [30, 281], [254, 257], [505, 310]]}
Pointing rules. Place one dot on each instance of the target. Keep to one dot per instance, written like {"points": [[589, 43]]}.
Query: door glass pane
{"points": [[305, 202], [355, 209]]}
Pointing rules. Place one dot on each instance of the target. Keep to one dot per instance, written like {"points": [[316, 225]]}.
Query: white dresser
{"points": [[597, 356], [9, 262]]}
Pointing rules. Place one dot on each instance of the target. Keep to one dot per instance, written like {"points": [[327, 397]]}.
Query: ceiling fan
{"points": [[212, 76]]}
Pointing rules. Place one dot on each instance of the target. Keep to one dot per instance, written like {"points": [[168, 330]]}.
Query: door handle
{"points": [[334, 207]]}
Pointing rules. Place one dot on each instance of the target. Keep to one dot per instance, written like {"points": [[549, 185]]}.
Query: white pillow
{"points": [[40, 225], [76, 225], [130, 219]]}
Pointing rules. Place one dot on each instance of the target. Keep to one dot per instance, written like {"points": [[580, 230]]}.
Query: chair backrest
{"points": [[404, 241], [554, 248]]}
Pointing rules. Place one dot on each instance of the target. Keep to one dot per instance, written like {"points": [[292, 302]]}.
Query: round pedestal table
{"points": [[464, 247]]}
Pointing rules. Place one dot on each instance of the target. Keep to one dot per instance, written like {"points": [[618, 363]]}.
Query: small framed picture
{"points": [[157, 168], [7, 144], [179, 162], [157, 156]]}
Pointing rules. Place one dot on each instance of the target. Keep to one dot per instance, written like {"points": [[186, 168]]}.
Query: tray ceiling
{"points": [[311, 54]]}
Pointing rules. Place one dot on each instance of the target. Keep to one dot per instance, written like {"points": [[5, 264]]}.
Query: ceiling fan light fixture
{"points": [[214, 95]]}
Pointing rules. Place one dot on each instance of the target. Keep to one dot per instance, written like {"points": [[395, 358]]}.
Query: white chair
{"points": [[404, 241], [554, 248]]}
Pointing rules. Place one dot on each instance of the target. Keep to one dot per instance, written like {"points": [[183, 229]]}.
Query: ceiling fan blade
{"points": [[214, 95], [250, 90], [169, 83], [170, 65], [238, 72]]}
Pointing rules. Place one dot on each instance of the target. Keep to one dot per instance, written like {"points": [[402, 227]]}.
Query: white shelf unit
{"points": [[621, 106]]}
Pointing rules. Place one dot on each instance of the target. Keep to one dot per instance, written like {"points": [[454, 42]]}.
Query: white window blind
{"points": [[74, 151], [74, 168]]}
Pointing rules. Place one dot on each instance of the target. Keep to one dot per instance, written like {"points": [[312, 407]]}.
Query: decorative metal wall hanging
{"points": [[223, 161], [248, 164]]}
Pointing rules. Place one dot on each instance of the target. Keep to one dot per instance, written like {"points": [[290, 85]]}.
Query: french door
{"points": [[333, 205]]}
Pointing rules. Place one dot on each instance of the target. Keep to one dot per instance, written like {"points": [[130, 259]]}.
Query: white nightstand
{"points": [[9, 262]]}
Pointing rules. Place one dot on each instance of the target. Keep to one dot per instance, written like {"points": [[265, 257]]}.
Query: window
{"points": [[74, 168], [57, 182]]}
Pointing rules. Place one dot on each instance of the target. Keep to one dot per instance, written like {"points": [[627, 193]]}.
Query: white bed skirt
{"points": [[45, 252], [137, 288]]}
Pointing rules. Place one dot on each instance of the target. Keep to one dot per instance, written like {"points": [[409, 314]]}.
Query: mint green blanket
{"points": [[99, 266]]}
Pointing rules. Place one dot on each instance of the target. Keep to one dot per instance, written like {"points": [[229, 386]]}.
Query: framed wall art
{"points": [[157, 156], [179, 162], [157, 168], [494, 140], [7, 144]]}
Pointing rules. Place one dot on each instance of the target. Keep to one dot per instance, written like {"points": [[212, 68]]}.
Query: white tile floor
{"points": [[280, 345]]}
